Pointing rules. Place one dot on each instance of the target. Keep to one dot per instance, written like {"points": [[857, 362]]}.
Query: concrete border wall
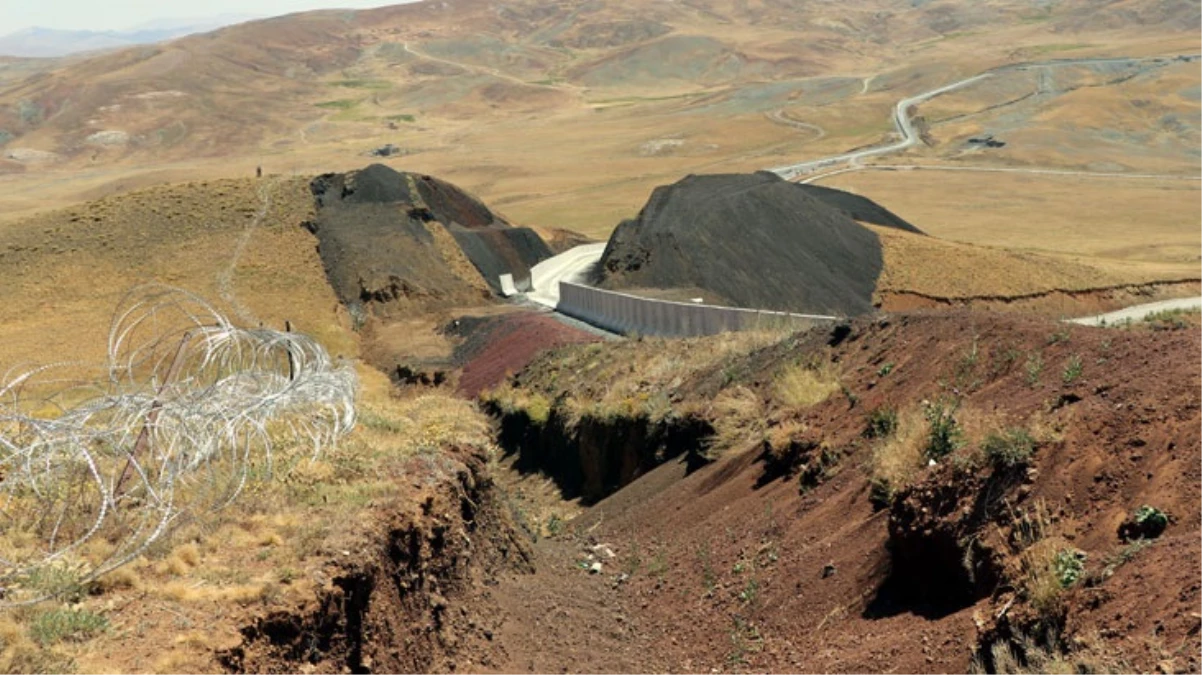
{"points": [[624, 313]]}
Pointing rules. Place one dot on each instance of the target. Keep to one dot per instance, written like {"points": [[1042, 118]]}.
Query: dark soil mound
{"points": [[858, 208], [379, 232], [753, 240]]}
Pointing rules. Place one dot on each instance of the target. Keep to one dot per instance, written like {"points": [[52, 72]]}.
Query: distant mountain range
{"points": [[48, 42]]}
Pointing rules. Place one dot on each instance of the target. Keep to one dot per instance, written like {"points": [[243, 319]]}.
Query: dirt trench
{"points": [[594, 457]]}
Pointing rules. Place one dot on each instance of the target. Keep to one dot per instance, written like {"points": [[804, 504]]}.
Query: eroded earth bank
{"points": [[916, 492]]}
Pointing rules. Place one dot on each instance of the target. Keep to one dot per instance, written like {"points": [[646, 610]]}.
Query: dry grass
{"points": [[899, 458], [738, 417], [627, 379], [262, 549], [801, 386]]}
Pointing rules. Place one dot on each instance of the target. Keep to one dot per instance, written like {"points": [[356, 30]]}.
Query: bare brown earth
{"points": [[733, 567]]}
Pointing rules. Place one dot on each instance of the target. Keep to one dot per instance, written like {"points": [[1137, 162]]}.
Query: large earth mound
{"points": [[753, 240], [389, 238]]}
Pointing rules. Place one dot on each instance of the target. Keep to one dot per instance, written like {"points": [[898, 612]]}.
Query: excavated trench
{"points": [[597, 456]]}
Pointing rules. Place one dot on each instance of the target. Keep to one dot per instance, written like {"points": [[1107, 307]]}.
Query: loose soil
{"points": [[753, 563]]}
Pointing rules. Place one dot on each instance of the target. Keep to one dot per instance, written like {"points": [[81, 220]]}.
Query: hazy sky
{"points": [[121, 14]]}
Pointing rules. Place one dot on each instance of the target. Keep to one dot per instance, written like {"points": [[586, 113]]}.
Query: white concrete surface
{"points": [[508, 289], [572, 265]]}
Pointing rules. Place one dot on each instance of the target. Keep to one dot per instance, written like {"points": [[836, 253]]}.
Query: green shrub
{"points": [[882, 422], [944, 435], [885, 369], [1148, 522], [57, 625], [1012, 447], [1068, 565]]}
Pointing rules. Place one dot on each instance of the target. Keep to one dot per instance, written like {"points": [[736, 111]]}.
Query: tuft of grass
{"points": [[1072, 369], [738, 415], [1010, 448], [885, 369], [897, 458], [798, 386], [882, 423], [1033, 368], [59, 625]]}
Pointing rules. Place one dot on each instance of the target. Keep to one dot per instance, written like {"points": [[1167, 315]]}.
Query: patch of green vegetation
{"points": [[1068, 565], [1112, 562], [745, 639], [1059, 335], [885, 369], [658, 565], [362, 84], [882, 422], [1072, 369], [1171, 319], [56, 580], [555, 525], [751, 592], [1034, 368], [403, 117], [944, 435], [1010, 448], [340, 104], [58, 625], [5, 136]]}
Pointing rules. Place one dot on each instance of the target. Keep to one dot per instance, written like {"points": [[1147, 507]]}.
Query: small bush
{"points": [[1010, 448], [57, 625], [1050, 566], [944, 435], [1068, 565], [882, 423], [1148, 522], [885, 369]]}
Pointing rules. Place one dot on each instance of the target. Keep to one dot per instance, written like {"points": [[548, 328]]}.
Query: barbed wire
{"points": [[110, 456]]}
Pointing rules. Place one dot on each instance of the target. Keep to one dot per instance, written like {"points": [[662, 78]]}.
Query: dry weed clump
{"points": [[899, 457], [801, 386], [738, 420]]}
